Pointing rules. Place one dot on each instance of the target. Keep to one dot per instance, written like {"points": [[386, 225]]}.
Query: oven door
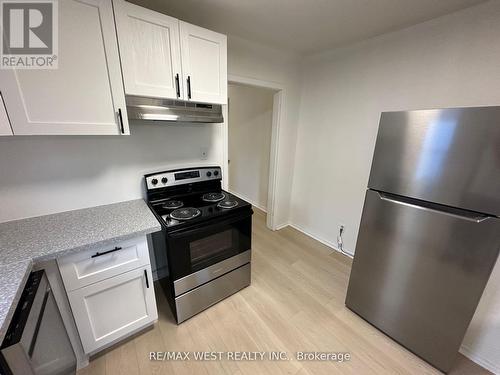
{"points": [[194, 249]]}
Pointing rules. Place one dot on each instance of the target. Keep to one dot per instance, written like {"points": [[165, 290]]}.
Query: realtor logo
{"points": [[29, 34]]}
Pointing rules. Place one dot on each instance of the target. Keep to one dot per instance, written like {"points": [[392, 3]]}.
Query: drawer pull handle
{"points": [[98, 254], [147, 280]]}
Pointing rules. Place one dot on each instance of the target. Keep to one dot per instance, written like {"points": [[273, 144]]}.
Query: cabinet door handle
{"points": [[98, 254], [177, 86], [120, 117], [189, 87], [146, 276]]}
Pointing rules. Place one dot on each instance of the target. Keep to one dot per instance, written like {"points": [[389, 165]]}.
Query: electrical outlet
{"points": [[203, 153], [340, 240]]}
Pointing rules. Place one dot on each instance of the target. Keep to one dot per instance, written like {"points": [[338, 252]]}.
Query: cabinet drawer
{"points": [[90, 266], [112, 309]]}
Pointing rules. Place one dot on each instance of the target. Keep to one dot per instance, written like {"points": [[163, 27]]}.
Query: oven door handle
{"points": [[184, 233]]}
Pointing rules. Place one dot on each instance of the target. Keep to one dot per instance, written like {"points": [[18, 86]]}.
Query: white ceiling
{"points": [[306, 26]]}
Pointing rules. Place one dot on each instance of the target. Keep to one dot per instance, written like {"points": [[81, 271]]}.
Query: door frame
{"points": [[278, 116]]}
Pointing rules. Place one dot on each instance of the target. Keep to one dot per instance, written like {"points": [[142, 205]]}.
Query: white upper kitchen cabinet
{"points": [[149, 51], [84, 95], [167, 58], [204, 64], [5, 128]]}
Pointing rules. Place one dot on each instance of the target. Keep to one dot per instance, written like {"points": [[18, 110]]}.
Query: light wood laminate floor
{"points": [[295, 303]]}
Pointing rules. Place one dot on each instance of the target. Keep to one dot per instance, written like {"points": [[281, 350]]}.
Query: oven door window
{"points": [[195, 249], [213, 246]]}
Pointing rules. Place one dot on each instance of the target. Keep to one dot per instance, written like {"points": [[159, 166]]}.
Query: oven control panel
{"points": [[182, 177]]}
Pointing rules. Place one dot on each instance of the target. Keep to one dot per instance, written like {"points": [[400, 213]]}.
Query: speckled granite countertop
{"points": [[36, 239]]}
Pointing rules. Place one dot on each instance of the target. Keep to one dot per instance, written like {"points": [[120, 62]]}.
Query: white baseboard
{"points": [[487, 364], [281, 226], [319, 239], [245, 198]]}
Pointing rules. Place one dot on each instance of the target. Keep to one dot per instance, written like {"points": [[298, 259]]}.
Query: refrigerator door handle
{"points": [[432, 207]]}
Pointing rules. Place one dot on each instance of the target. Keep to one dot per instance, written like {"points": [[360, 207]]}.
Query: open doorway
{"points": [[250, 116], [253, 113]]}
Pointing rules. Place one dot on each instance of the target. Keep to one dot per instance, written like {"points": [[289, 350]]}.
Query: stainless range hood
{"points": [[156, 109]]}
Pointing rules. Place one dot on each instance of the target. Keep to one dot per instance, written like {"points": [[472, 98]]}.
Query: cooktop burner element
{"points": [[187, 213], [213, 197], [227, 203], [173, 205], [188, 198]]}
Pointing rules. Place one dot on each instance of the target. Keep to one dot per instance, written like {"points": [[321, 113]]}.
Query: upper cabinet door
{"points": [[5, 128], [204, 64], [84, 95], [149, 50]]}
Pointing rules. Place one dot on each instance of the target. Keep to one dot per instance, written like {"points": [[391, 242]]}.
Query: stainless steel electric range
{"points": [[203, 252]]}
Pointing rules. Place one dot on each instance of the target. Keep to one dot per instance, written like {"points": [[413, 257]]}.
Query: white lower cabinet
{"points": [[114, 308], [110, 291]]}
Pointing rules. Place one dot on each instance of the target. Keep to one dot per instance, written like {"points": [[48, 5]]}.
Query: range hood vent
{"points": [[157, 109]]}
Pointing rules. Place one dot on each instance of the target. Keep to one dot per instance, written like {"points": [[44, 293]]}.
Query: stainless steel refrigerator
{"points": [[430, 229]]}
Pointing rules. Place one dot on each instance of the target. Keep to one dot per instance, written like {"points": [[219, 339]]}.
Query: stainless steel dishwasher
{"points": [[36, 341]]}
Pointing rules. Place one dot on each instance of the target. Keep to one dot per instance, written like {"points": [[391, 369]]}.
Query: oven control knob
{"points": [[164, 180], [154, 181], [216, 173], [209, 174]]}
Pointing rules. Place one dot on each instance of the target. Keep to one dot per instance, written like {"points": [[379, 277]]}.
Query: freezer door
{"points": [[447, 156], [419, 272]]}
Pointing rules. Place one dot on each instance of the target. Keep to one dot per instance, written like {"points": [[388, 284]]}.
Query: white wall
{"points": [[249, 122], [252, 60], [451, 61], [46, 174]]}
